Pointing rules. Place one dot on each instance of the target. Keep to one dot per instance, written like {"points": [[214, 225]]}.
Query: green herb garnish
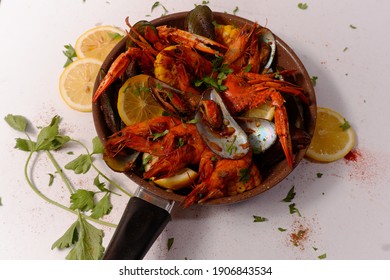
{"points": [[259, 219], [70, 53], [235, 10], [352, 26], [290, 195], [158, 4], [230, 147], [293, 209], [345, 125], [248, 68], [115, 35], [323, 256], [84, 239], [180, 143], [302, 6], [147, 159], [314, 80], [193, 121], [51, 179], [159, 135], [245, 175], [222, 71], [170, 243], [319, 175], [281, 229]]}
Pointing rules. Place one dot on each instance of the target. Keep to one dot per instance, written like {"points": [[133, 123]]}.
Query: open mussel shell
{"points": [[123, 161], [232, 145], [285, 58], [261, 133], [267, 38]]}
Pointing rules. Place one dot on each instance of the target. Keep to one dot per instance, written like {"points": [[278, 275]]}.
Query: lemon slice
{"points": [[77, 82], [182, 179], [333, 137], [135, 102], [98, 42], [263, 111]]}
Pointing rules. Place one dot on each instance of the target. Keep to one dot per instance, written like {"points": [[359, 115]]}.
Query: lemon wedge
{"points": [[182, 179], [135, 101], [262, 111], [98, 42], [77, 81], [333, 137]]}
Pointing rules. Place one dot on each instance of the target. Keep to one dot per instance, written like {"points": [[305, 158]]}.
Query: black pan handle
{"points": [[141, 224]]}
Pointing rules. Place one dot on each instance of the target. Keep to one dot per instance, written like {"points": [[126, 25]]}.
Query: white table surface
{"points": [[346, 211]]}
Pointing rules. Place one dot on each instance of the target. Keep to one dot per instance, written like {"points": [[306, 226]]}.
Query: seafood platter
{"points": [[237, 107]]}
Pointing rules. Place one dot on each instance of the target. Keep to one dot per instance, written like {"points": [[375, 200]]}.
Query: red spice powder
{"points": [[296, 238], [300, 234], [353, 155], [364, 166]]}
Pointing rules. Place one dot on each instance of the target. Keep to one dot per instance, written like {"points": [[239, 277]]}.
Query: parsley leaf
{"points": [[70, 53], [80, 165], [293, 209], [302, 6], [16, 122], [49, 139], [68, 238], [281, 229], [259, 219], [345, 125], [115, 35], [102, 207], [158, 135], [24, 145], [170, 243], [290, 195], [51, 179], [82, 200], [314, 80], [222, 71], [99, 185], [89, 243], [235, 10], [319, 175], [323, 256], [147, 159], [245, 175], [158, 4], [97, 146]]}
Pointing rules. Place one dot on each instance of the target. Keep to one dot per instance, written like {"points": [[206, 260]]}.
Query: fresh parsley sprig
{"points": [[84, 238], [70, 54], [218, 75]]}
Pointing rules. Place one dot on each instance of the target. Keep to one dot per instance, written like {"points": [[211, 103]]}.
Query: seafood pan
{"points": [[275, 173]]}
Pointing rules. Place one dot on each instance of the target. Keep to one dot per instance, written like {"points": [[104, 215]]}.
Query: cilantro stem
{"points": [[59, 171], [44, 197], [101, 173]]}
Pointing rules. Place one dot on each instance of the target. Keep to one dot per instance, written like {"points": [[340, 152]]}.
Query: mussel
{"points": [[200, 21]]}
